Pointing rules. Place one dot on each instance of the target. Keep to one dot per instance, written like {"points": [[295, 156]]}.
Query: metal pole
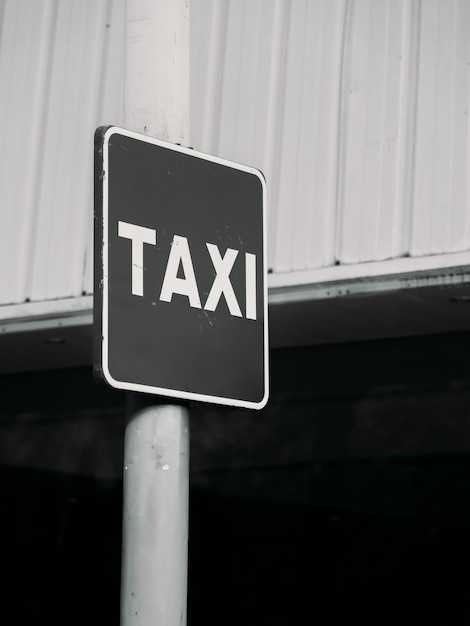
{"points": [[156, 89], [156, 453], [155, 521]]}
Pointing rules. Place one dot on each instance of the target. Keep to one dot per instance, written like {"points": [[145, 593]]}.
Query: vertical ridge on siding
{"points": [[207, 71], [375, 147], [441, 196], [25, 53], [274, 115], [108, 109], [458, 229], [57, 263], [409, 104], [243, 99], [314, 179]]}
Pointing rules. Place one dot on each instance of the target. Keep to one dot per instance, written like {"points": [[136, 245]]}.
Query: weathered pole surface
{"points": [[156, 91], [156, 453], [155, 522]]}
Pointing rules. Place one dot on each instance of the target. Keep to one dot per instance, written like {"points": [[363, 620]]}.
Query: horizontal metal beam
{"points": [[340, 282]]}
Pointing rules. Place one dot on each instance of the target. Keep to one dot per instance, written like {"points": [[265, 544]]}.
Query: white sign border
{"points": [[173, 393]]}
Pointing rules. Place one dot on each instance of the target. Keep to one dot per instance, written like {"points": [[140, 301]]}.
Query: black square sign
{"points": [[180, 272]]}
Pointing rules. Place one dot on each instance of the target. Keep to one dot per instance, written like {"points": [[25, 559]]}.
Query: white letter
{"points": [[250, 281], [222, 284], [186, 286], [138, 235]]}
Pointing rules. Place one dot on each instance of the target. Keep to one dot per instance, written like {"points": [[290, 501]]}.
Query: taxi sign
{"points": [[180, 272]]}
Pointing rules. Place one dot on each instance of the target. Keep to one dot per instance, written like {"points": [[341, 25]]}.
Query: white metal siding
{"points": [[441, 199], [60, 75], [375, 105], [265, 91], [355, 110]]}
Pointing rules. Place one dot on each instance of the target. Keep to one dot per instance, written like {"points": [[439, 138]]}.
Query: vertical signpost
{"points": [[180, 298]]}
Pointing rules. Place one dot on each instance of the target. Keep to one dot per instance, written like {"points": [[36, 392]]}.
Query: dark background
{"points": [[346, 497]]}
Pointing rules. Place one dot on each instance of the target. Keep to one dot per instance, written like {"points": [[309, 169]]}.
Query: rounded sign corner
{"points": [[263, 402], [261, 177], [109, 131], [109, 378]]}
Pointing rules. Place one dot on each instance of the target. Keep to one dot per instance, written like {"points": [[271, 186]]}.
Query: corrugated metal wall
{"points": [[60, 74], [356, 110]]}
